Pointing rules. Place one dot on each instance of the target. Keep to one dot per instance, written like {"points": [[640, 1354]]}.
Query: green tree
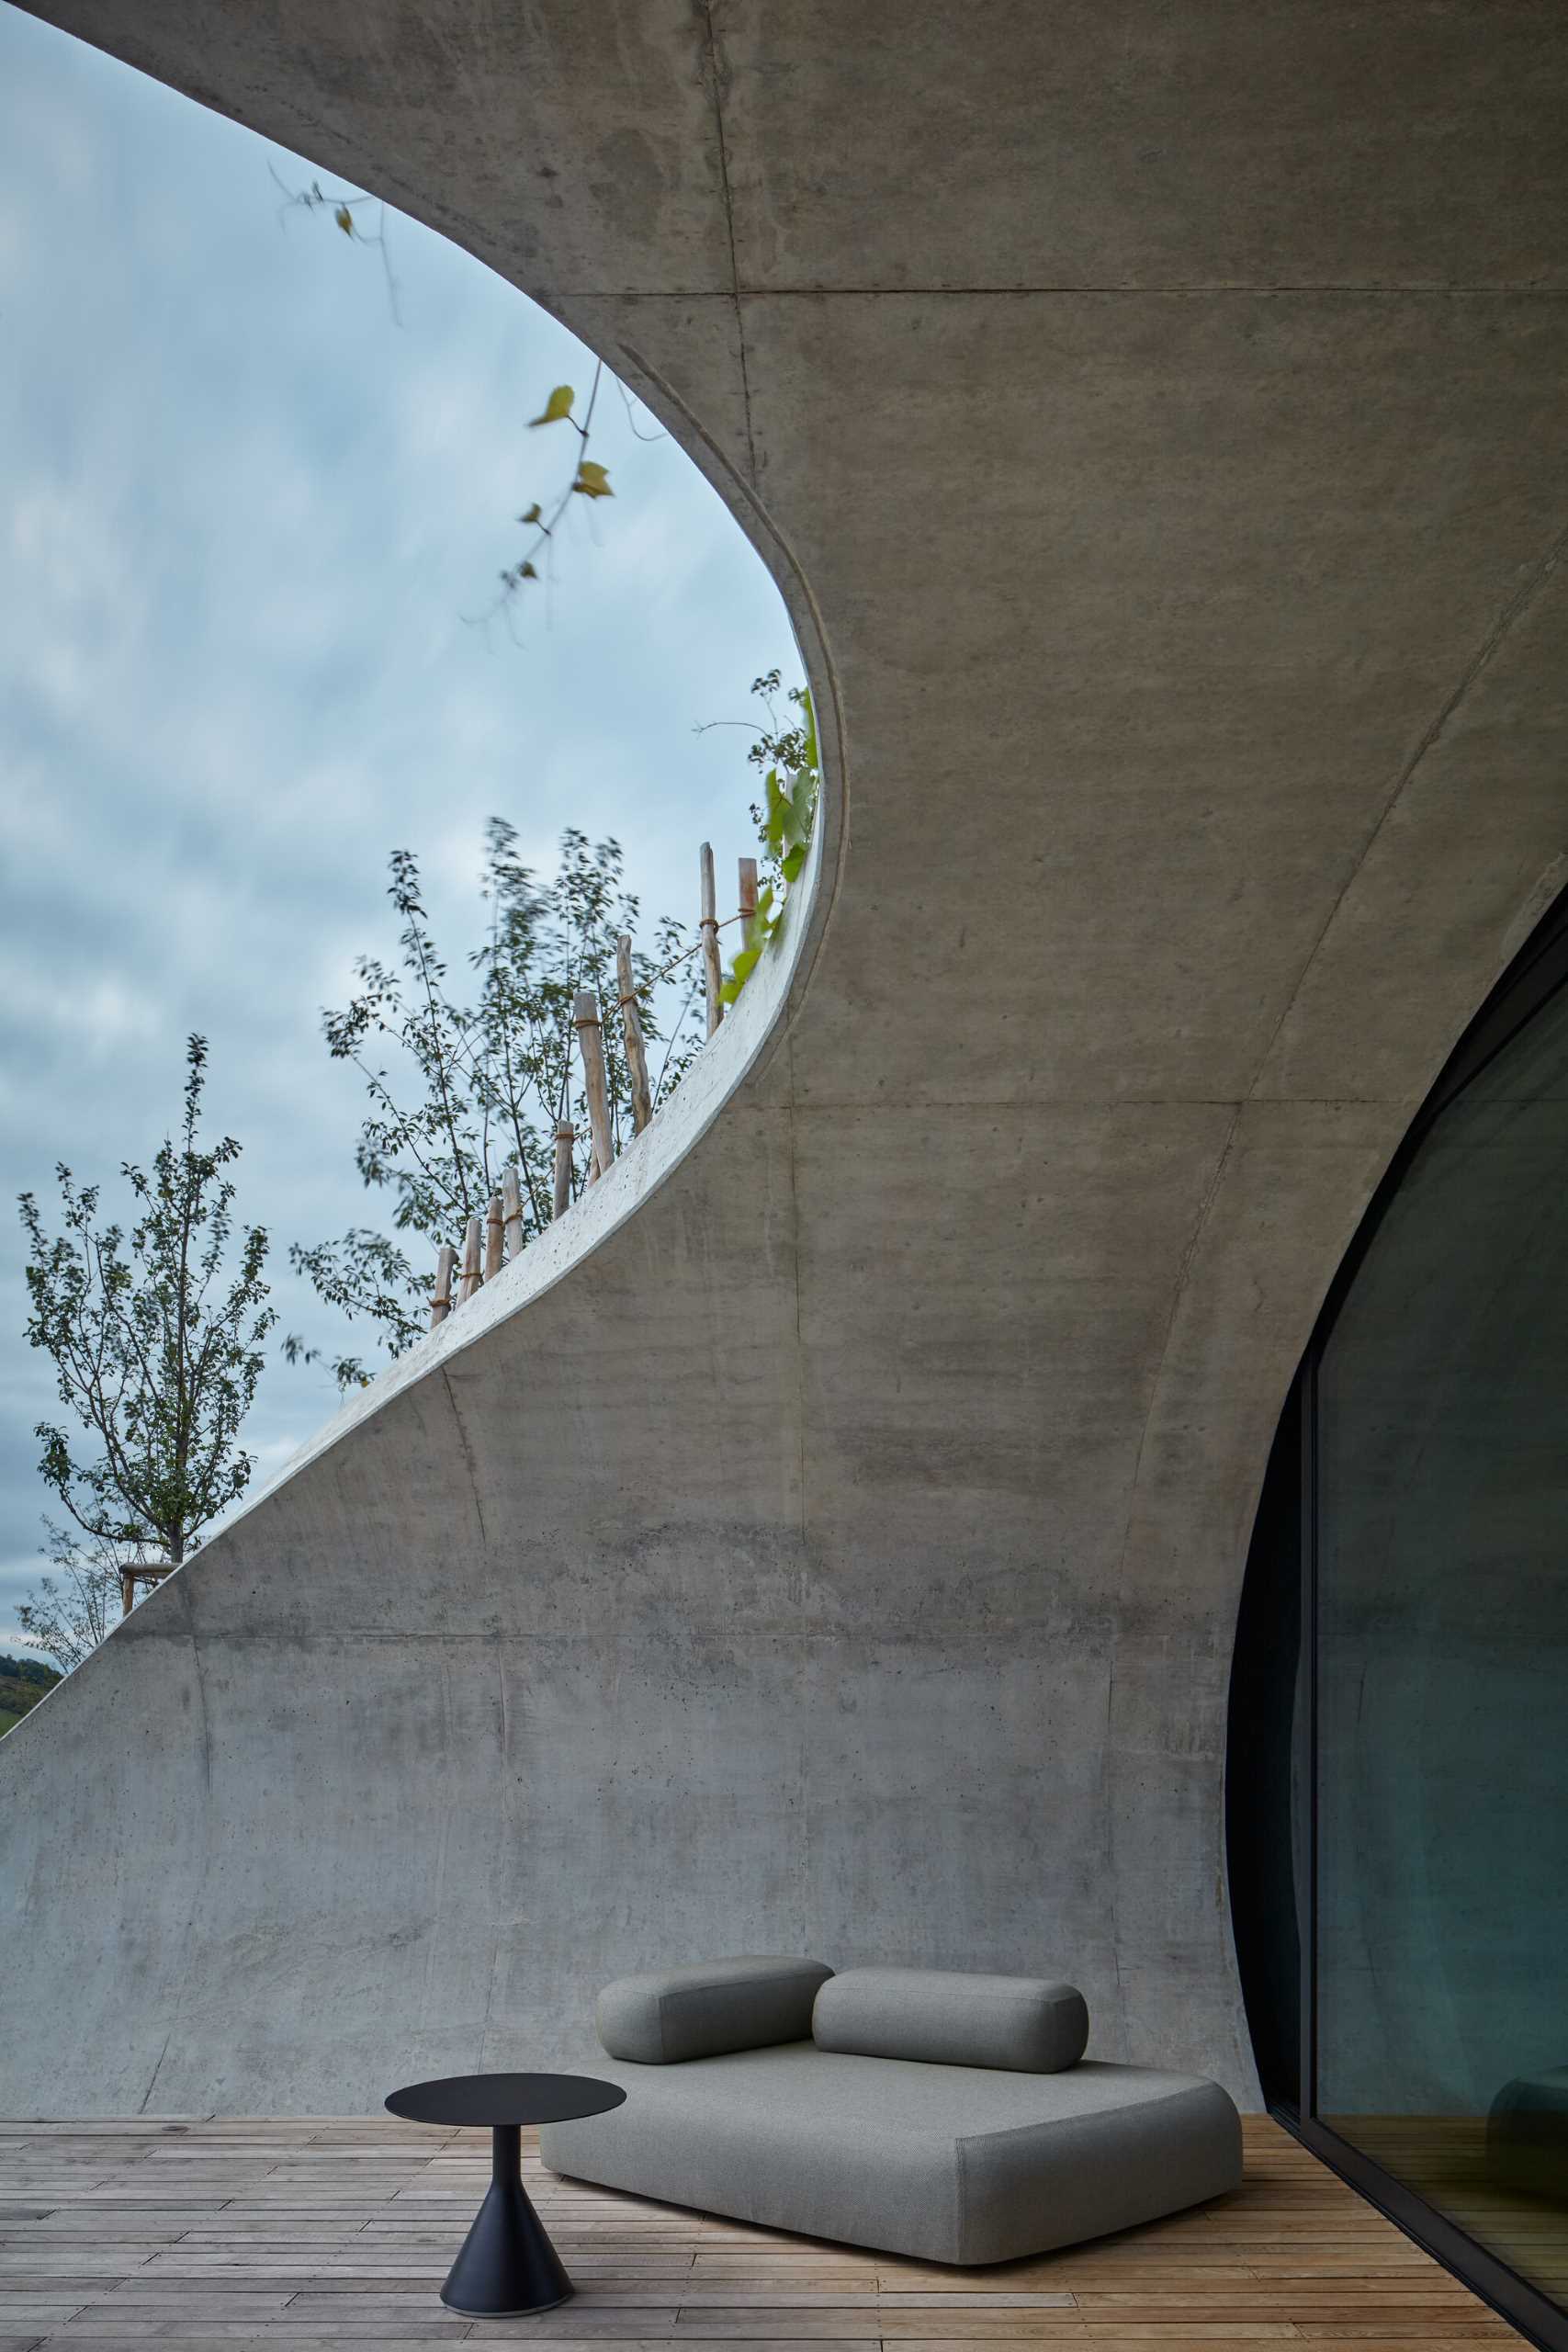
{"points": [[68, 1614], [463, 1087], [157, 1342]]}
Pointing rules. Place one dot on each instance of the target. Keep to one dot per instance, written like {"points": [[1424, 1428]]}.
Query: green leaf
{"points": [[775, 812], [344, 219], [535, 512], [558, 406], [783, 824], [527, 572], [741, 972], [790, 866], [591, 480]]}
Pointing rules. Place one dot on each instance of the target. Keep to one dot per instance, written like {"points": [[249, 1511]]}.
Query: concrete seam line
{"points": [[1513, 606], [1505, 289], [713, 75]]}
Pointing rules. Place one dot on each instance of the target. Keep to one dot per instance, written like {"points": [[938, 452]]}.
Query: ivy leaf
{"points": [[535, 512], [591, 480], [558, 406], [790, 866], [344, 219]]}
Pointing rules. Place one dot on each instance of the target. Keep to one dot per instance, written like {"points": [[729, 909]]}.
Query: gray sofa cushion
{"points": [[953, 2164], [680, 2013], [1021, 2022]]}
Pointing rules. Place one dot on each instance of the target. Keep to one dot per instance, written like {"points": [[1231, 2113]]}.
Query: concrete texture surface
{"points": [[1154, 419]]}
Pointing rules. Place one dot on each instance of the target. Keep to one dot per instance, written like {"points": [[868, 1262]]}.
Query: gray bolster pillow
{"points": [[1022, 2023], [677, 2013]]}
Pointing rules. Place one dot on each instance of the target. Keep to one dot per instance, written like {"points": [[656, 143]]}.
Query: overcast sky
{"points": [[243, 515]]}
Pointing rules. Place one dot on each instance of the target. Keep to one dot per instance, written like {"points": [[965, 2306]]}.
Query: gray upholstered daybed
{"points": [[947, 2116]]}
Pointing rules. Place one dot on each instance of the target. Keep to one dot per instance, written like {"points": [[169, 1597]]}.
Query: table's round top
{"points": [[491, 2099]]}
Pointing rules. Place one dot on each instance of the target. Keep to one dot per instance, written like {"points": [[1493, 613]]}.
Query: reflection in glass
{"points": [[1442, 1670]]}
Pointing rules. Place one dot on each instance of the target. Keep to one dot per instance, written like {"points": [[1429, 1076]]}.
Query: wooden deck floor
{"points": [[312, 2234]]}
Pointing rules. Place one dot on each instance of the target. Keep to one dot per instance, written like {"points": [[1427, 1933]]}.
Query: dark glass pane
{"points": [[1262, 1807], [1442, 1436]]}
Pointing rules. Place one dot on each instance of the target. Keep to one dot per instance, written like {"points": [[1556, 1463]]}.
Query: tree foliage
{"points": [[463, 1085], [156, 1333], [23, 1682], [67, 1614], [29, 1669]]}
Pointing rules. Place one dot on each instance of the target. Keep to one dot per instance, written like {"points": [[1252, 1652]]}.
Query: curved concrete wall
{"points": [[1152, 418]]}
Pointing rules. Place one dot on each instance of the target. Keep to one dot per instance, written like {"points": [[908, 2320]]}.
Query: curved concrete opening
{"points": [[842, 1556]]}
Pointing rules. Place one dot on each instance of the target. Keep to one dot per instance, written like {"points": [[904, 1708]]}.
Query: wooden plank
{"points": [[320, 2234]]}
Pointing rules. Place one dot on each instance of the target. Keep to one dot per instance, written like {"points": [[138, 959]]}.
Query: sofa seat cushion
{"points": [[954, 2163], [1024, 2022]]}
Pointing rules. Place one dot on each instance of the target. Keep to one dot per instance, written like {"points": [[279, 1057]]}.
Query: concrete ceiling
{"points": [[1153, 416]]}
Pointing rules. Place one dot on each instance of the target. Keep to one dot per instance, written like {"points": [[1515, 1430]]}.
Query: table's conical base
{"points": [[508, 2267]]}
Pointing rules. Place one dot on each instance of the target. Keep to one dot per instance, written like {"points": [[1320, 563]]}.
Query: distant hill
{"points": [[23, 1682]]}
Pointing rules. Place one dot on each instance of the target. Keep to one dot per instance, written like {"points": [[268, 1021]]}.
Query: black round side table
{"points": [[508, 2268]]}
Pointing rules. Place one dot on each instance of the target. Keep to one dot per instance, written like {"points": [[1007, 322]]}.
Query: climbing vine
{"points": [[343, 209], [792, 782], [587, 478]]}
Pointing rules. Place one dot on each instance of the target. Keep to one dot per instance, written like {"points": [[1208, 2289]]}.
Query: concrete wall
{"points": [[1152, 418]]}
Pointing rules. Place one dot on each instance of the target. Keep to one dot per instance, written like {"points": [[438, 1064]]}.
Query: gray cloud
{"points": [[243, 515]]}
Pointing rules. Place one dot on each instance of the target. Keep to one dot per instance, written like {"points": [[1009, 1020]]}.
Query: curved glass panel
{"points": [[1399, 1833], [1442, 1668]]}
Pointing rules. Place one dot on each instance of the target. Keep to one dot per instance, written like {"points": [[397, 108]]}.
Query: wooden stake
{"points": [[590, 1041], [512, 1205], [565, 1135], [495, 1237], [441, 1303], [471, 1275], [748, 894], [631, 1022], [713, 973]]}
